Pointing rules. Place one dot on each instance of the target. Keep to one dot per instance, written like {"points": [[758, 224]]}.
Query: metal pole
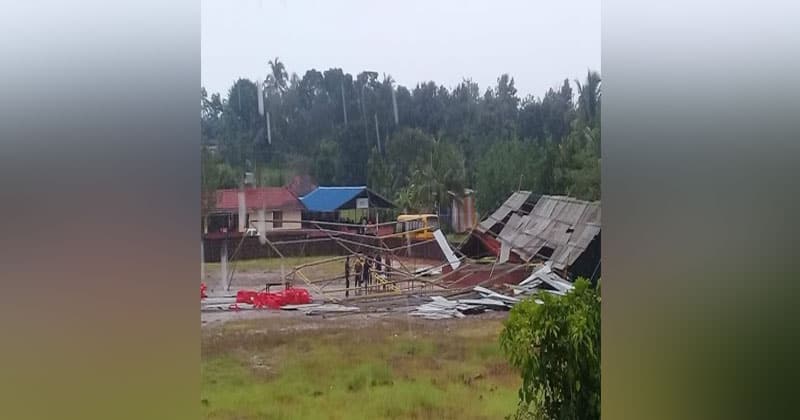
{"points": [[377, 133], [344, 105]]}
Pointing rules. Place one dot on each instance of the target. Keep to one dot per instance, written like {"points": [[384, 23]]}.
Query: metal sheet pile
{"points": [[545, 280], [542, 280]]}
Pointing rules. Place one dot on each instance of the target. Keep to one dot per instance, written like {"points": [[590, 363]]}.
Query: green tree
{"points": [[589, 99], [434, 175], [379, 175], [404, 199], [211, 110], [277, 77], [509, 166], [556, 347], [539, 144], [403, 150], [325, 168], [214, 174], [578, 163]]}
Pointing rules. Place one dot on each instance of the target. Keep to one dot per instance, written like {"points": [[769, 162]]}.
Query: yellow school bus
{"points": [[419, 226]]}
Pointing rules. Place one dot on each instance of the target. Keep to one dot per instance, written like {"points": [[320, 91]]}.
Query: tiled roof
{"points": [[269, 198]]}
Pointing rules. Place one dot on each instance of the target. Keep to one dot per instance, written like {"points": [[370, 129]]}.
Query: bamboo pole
{"points": [[318, 289]]}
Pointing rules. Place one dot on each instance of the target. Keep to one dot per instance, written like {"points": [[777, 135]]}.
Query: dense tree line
{"points": [[412, 145]]}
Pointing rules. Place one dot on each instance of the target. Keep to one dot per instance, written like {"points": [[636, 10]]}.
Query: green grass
{"points": [[388, 370]]}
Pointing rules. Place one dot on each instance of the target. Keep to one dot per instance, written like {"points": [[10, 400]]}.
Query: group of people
{"points": [[364, 270]]}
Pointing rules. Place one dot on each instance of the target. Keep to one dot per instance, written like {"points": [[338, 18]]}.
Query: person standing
{"points": [[379, 269], [347, 276], [358, 269], [366, 273], [387, 266]]}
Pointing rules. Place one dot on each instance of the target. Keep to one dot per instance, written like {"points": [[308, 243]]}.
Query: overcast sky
{"points": [[538, 42]]}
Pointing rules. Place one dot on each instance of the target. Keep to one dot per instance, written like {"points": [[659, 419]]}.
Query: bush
{"points": [[556, 346]]}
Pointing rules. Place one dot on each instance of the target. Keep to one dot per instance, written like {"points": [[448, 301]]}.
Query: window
{"points": [[277, 219], [222, 222]]}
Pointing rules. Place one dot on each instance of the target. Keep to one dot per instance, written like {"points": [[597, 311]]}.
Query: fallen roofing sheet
{"points": [[442, 308], [543, 279], [329, 308], [320, 308], [494, 295], [446, 250]]}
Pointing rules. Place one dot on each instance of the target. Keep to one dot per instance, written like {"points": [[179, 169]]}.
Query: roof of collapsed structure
{"points": [[564, 225]]}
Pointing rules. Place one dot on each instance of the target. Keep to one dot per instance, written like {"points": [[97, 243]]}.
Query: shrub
{"points": [[556, 346]]}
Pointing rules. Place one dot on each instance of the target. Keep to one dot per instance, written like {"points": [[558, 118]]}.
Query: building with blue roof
{"points": [[334, 199], [345, 204]]}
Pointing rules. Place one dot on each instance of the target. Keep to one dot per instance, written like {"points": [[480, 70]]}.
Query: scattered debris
{"points": [[542, 280], [442, 308], [211, 301], [494, 295], [300, 307], [329, 308], [558, 230], [446, 250], [320, 308], [428, 271]]}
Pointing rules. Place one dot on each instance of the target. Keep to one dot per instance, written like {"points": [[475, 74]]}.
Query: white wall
{"points": [[293, 215]]}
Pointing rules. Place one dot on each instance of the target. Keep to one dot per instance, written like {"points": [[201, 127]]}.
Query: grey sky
{"points": [[538, 42]]}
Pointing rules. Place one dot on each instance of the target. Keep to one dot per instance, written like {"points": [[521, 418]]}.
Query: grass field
{"points": [[338, 369]]}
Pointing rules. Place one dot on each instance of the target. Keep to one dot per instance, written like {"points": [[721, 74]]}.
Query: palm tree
{"points": [[276, 79], [589, 97], [442, 173], [404, 199]]}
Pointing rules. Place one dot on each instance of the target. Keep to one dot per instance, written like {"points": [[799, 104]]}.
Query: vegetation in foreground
{"points": [[384, 370], [556, 347]]}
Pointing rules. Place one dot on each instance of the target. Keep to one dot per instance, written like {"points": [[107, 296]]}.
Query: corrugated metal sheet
{"points": [[514, 203], [326, 199], [563, 224]]}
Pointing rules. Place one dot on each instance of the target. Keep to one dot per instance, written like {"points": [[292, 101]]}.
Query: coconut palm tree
{"points": [[277, 77], [589, 97], [404, 199], [434, 176]]}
